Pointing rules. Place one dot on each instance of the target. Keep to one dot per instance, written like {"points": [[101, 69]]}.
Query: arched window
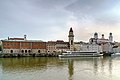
{"points": [[11, 51], [38, 51], [25, 51], [22, 51], [29, 51]]}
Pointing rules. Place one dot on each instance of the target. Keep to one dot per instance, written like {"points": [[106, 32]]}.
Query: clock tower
{"points": [[71, 39]]}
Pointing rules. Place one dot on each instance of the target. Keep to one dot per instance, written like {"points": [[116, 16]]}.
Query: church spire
{"points": [[71, 30]]}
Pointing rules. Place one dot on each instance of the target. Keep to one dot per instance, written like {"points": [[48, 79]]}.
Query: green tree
{"points": [[0, 48]]}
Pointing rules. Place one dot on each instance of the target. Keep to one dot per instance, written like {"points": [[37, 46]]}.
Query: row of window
{"points": [[11, 44], [24, 51], [23, 44]]}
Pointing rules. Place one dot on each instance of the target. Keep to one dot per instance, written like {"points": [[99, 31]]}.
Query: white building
{"points": [[77, 46], [106, 44], [105, 47], [62, 46], [91, 47], [57, 46], [51, 46]]}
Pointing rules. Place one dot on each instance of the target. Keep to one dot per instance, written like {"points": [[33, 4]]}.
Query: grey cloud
{"points": [[91, 7], [107, 20], [97, 9], [46, 17], [36, 16]]}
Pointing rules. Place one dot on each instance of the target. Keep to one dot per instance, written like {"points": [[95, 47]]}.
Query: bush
{"points": [[0, 48]]}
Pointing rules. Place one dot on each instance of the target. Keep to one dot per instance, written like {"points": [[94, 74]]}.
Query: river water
{"points": [[43, 68]]}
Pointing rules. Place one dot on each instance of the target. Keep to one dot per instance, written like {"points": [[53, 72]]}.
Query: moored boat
{"points": [[115, 54], [80, 54]]}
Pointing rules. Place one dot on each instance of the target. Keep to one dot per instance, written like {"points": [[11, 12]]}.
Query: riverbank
{"points": [[3, 55]]}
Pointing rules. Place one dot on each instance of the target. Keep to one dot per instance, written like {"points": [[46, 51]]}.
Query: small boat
{"points": [[80, 54], [115, 54]]}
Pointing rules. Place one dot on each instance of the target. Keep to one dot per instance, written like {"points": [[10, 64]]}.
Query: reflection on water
{"points": [[29, 63], [70, 69], [42, 68]]}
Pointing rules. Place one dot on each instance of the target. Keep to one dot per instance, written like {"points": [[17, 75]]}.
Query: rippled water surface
{"points": [[42, 68]]}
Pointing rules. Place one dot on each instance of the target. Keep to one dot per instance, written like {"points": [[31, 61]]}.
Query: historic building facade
{"points": [[62, 46], [91, 47], [51, 47], [21, 45], [99, 44], [57, 46]]}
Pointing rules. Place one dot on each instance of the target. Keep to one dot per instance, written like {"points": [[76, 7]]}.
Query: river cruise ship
{"points": [[80, 54]]}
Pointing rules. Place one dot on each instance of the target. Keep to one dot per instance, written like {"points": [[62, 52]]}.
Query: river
{"points": [[53, 68]]}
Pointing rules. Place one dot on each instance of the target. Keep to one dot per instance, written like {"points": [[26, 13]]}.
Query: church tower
{"points": [[96, 35], [25, 37], [110, 37], [71, 39]]}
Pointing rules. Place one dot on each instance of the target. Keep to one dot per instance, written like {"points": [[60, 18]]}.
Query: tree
{"points": [[0, 48]]}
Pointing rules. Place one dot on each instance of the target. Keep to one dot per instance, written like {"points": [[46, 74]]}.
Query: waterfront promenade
{"points": [[29, 55]]}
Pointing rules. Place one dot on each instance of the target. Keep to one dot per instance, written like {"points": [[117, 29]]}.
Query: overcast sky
{"points": [[51, 19]]}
